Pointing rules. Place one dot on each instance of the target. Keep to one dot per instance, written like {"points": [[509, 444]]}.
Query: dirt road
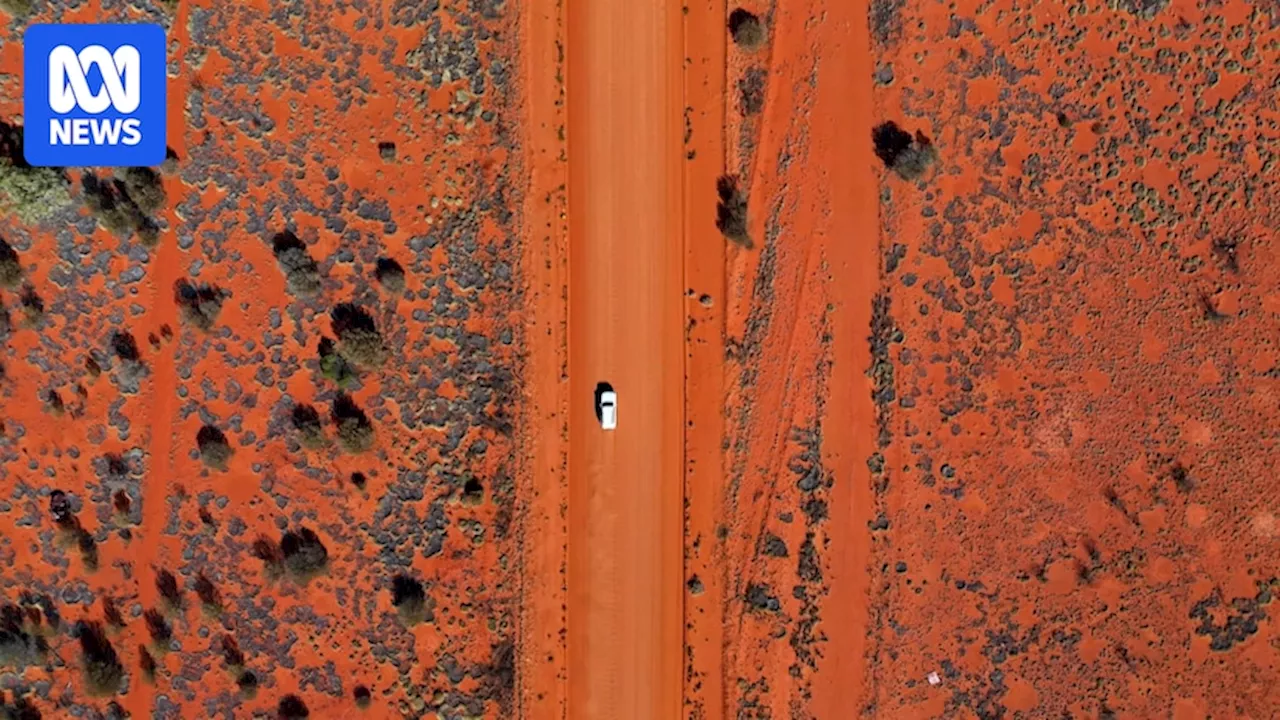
{"points": [[625, 317]]}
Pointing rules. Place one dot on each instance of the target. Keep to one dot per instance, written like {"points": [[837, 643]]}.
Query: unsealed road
{"points": [[625, 320]]}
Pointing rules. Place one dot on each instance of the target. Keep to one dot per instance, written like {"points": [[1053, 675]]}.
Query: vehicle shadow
{"points": [[601, 389]]}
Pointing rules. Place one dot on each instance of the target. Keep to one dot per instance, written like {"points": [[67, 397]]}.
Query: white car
{"points": [[607, 409]]}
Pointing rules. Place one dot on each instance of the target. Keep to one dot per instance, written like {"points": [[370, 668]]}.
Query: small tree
{"points": [[410, 600], [10, 266], [304, 553], [355, 432], [306, 421], [358, 336]]}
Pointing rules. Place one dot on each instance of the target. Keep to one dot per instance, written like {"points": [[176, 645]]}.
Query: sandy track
{"points": [[625, 318]]}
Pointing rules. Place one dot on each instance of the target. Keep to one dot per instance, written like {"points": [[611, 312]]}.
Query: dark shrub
{"points": [[88, 548], [158, 628], [199, 305], [207, 593], [231, 654], [355, 432], [167, 586], [102, 669], [147, 663], [10, 266], [358, 336], [19, 647], [410, 600], [304, 553], [125, 347], [390, 274], [109, 203], [302, 274], [144, 187], [731, 211], [746, 29], [306, 421], [902, 153], [111, 613], [359, 480], [247, 681], [292, 708], [215, 451], [362, 696]]}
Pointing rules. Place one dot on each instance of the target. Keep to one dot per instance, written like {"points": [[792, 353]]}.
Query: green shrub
{"points": [[410, 600], [144, 187], [334, 366], [302, 274], [199, 304], [390, 274]]}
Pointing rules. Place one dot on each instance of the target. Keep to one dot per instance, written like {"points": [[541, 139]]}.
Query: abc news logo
{"points": [[69, 89], [94, 95]]}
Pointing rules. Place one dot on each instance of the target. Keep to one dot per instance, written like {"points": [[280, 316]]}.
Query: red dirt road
{"points": [[624, 318]]}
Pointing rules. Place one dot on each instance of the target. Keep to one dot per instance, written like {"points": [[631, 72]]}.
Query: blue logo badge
{"points": [[94, 95]]}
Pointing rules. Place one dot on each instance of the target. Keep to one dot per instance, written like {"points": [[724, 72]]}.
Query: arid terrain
{"points": [[944, 336]]}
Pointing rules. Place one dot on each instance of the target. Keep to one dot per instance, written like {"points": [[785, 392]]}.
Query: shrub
{"points": [[125, 347], [746, 29], [231, 654], [18, 647], [88, 548], [215, 451], [358, 336], [111, 613], [21, 709], [304, 553], [306, 420], [207, 593], [302, 274], [908, 156], [362, 696], [359, 480], [199, 304], [109, 203], [291, 707], [167, 586], [10, 266], [158, 629], [410, 600], [247, 681], [144, 187], [102, 669], [355, 432], [731, 211], [334, 366], [60, 510], [16, 9], [32, 305], [390, 274], [33, 194], [147, 662]]}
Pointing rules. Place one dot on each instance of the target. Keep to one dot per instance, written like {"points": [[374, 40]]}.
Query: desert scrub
{"points": [[32, 194], [20, 646], [144, 187], [109, 204], [301, 273], [32, 306], [362, 696], [907, 155], [291, 707], [158, 628], [731, 211], [210, 599], [10, 266], [16, 9], [390, 275], [355, 432], [102, 669], [306, 422], [146, 663], [746, 29], [215, 451], [410, 600], [303, 553], [199, 304], [167, 586], [358, 338], [247, 682], [334, 366]]}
